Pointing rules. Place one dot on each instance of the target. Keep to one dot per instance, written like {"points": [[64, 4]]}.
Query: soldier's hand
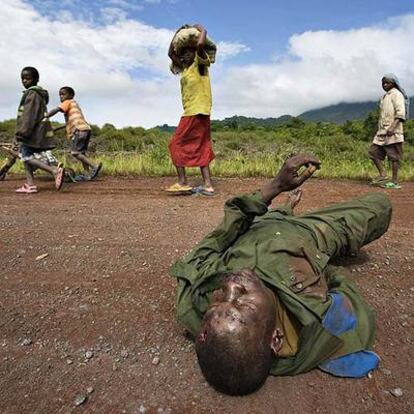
{"points": [[290, 176], [294, 172]]}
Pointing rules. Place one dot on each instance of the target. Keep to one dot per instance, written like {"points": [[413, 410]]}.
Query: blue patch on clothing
{"points": [[356, 365], [341, 318]]}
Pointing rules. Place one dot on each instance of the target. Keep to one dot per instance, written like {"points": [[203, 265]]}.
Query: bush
{"points": [[244, 152]]}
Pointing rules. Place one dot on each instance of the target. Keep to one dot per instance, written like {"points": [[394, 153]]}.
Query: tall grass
{"points": [[241, 153]]}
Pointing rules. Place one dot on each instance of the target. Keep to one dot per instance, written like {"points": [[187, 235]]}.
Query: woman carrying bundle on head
{"points": [[192, 53]]}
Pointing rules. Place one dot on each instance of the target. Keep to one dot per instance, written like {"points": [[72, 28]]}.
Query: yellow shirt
{"points": [[290, 328], [196, 89]]}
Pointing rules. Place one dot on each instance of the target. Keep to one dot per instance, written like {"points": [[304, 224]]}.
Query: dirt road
{"points": [[87, 306]]}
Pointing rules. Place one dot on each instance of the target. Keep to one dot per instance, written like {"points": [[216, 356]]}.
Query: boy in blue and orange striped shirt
{"points": [[78, 131]]}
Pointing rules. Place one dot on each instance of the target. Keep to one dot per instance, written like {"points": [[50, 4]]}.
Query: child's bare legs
{"points": [[182, 177], [380, 166], [29, 173], [86, 163], [32, 165], [206, 174], [395, 166]]}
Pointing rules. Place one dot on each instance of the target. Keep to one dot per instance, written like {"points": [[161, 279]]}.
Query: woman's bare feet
{"points": [[294, 198]]}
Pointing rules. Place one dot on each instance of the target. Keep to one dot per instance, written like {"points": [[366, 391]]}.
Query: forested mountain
{"points": [[343, 112], [337, 114]]}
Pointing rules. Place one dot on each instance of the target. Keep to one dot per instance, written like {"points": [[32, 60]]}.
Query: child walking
{"points": [[191, 144], [388, 141], [34, 132], [78, 131]]}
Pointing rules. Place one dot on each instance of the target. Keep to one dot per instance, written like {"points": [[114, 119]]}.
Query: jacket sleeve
{"points": [[239, 213], [398, 103], [204, 259], [30, 116]]}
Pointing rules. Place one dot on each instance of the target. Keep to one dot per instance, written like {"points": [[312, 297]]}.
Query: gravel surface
{"points": [[88, 309]]}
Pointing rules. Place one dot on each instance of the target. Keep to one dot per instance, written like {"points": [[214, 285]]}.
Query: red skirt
{"points": [[190, 146]]}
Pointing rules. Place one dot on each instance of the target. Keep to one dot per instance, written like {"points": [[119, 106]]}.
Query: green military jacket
{"points": [[250, 236]]}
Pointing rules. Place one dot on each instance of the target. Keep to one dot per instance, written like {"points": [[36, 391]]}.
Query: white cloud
{"points": [[229, 49], [119, 67], [125, 4], [112, 14], [159, 1], [322, 68]]}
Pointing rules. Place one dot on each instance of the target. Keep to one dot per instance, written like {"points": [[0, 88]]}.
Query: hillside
{"points": [[236, 122], [337, 114], [244, 121], [340, 113], [345, 112]]}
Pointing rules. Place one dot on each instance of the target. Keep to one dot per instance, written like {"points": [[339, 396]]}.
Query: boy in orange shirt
{"points": [[78, 131]]}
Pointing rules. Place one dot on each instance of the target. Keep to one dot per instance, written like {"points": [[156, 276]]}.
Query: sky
{"points": [[274, 57]]}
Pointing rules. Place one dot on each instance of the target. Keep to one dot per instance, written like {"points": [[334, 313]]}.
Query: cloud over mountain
{"points": [[119, 65]]}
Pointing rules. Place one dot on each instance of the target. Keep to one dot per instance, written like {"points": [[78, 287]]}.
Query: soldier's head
{"points": [[29, 76], [238, 336]]}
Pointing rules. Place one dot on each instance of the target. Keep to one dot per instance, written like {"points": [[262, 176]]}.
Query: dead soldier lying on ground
{"points": [[260, 297]]}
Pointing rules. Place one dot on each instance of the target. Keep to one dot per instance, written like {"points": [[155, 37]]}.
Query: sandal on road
{"points": [[60, 176], [391, 185], [381, 179], [179, 189], [206, 191], [27, 189]]}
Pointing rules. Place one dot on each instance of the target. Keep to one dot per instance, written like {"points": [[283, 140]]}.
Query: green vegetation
{"points": [[243, 148]]}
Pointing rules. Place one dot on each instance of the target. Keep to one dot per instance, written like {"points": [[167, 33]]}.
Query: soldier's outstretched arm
{"points": [[289, 176]]}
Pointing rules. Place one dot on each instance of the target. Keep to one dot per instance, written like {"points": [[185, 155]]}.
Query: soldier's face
{"points": [[243, 303]]}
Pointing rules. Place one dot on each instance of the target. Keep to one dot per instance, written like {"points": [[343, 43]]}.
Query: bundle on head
{"points": [[187, 36]]}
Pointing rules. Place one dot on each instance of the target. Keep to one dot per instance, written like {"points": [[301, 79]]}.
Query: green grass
{"points": [[243, 153]]}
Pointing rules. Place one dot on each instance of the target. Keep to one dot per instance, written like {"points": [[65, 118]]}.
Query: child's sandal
{"points": [[179, 189], [27, 189], [391, 186], [60, 176], [206, 191]]}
